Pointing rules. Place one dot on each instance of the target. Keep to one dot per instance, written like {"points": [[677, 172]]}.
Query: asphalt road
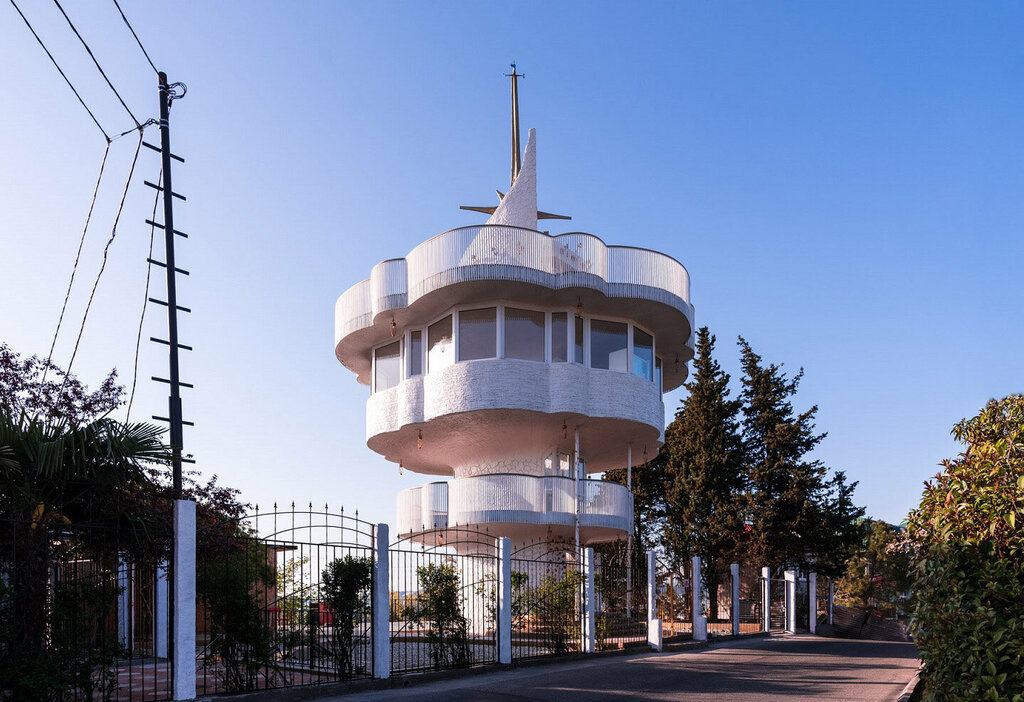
{"points": [[779, 668]]}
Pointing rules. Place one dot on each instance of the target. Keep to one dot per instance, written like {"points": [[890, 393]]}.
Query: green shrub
{"points": [[346, 591], [969, 589], [439, 605]]}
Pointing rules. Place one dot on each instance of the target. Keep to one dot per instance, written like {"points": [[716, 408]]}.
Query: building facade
{"points": [[517, 364]]}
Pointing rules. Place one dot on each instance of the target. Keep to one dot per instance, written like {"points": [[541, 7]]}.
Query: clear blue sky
{"points": [[843, 181]]}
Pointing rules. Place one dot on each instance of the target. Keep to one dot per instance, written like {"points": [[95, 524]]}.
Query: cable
{"points": [[145, 295], [78, 255], [98, 67], [113, 233], [59, 70], [137, 40]]}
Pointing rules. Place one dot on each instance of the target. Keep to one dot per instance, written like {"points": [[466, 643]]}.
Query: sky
{"points": [[842, 181]]}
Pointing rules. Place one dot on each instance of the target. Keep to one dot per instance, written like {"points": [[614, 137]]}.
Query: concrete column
{"points": [[790, 601], [831, 599], [812, 600], [161, 611], [125, 600], [381, 623], [653, 622], [766, 598], [735, 572], [589, 630], [183, 610], [504, 614], [700, 600]]}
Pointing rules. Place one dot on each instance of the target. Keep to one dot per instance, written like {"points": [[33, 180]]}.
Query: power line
{"points": [[137, 40], [59, 70], [74, 268], [113, 233], [93, 57], [145, 295]]}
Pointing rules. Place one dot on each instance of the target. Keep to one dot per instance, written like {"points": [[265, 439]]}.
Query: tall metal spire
{"points": [[516, 159]]}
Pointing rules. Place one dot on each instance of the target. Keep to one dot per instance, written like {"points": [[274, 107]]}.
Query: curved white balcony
{"points": [[506, 498], [511, 254]]}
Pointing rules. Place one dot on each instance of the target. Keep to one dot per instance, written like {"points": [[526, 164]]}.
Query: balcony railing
{"points": [[506, 497], [496, 252]]}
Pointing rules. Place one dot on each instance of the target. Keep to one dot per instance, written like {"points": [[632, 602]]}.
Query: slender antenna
{"points": [[516, 158]]}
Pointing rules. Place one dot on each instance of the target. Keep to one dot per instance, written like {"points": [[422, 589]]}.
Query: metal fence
{"points": [[675, 600], [751, 600], [547, 600], [284, 599], [83, 613], [620, 601], [443, 592]]}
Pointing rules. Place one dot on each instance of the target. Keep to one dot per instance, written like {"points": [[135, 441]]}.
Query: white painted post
{"points": [[831, 599], [735, 571], [812, 600], [504, 623], [125, 600], [381, 623], [766, 598], [161, 611], [589, 643], [653, 622], [791, 601], [700, 596], [184, 607]]}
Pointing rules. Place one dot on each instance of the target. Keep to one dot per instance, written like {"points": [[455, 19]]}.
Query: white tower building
{"points": [[518, 364]]}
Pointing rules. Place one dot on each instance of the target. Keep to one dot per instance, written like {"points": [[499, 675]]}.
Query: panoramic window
{"points": [[478, 334], [643, 354], [387, 366], [578, 341], [415, 353], [439, 344], [608, 345], [524, 334], [657, 375], [559, 337]]}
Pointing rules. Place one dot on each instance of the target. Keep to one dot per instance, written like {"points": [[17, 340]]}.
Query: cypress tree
{"points": [[704, 469]]}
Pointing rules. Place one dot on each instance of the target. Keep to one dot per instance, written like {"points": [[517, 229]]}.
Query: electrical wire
{"points": [[103, 265], [137, 40], [74, 268], [98, 66], [61, 71], [145, 296]]}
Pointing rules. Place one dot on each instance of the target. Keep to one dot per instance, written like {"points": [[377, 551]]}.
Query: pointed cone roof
{"points": [[519, 206]]}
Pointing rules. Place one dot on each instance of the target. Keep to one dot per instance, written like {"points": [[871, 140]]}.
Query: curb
{"points": [[908, 691]]}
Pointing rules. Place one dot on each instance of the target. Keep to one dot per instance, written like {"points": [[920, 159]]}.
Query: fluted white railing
{"points": [[497, 252], [514, 498]]}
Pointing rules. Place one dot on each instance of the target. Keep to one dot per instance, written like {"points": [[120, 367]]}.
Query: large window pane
{"points": [[657, 375], [643, 353], [439, 344], [608, 345], [478, 334], [578, 341], [524, 334], [387, 366], [559, 337], [416, 353]]}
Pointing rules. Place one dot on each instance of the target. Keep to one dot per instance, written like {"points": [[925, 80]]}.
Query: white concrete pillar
{"points": [[184, 607], [654, 633], [161, 611], [831, 599], [812, 600], [790, 601], [589, 630], [381, 623], [700, 599], [766, 598], [504, 614], [125, 600], [735, 572]]}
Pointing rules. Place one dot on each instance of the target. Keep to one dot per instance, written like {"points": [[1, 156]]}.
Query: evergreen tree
{"points": [[797, 516], [703, 456]]}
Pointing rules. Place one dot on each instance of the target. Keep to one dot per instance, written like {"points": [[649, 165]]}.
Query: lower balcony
{"points": [[508, 504]]}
